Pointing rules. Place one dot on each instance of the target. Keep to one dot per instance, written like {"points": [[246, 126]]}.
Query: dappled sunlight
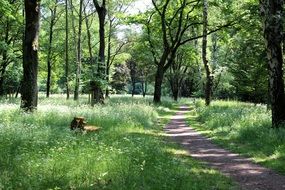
{"points": [[130, 150], [242, 169], [93, 92], [178, 152]]}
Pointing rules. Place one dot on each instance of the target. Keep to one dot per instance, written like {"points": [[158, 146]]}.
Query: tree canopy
{"points": [[215, 49]]}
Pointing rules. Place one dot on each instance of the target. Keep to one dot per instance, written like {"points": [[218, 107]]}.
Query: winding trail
{"points": [[247, 174]]}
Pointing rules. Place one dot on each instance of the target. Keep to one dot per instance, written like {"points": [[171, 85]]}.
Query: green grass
{"points": [[244, 128], [38, 151]]}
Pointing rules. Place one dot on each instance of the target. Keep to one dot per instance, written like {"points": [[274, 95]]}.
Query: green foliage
{"points": [[38, 151], [11, 35], [120, 78], [6, 9], [239, 60], [244, 128], [248, 63]]}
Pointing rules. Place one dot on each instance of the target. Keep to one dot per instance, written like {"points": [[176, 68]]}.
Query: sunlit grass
{"points": [[245, 128], [38, 151]]}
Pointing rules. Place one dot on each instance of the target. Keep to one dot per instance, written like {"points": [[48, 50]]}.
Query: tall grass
{"points": [[245, 128], [38, 151]]}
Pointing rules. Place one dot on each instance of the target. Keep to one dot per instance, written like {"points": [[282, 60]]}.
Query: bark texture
{"points": [[173, 30], [177, 74], [209, 80], [102, 12], [78, 58], [96, 94], [108, 63], [29, 90], [272, 13], [66, 51], [158, 84], [53, 12]]}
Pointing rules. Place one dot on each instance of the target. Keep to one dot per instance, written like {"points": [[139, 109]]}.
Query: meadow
{"points": [[38, 150], [244, 128]]}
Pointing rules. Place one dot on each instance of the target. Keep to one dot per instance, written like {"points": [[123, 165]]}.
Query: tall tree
{"points": [[109, 46], [133, 74], [66, 51], [78, 57], [208, 86], [74, 34], [114, 7], [272, 13], [53, 14], [176, 21], [97, 95], [172, 38], [177, 73], [29, 89]]}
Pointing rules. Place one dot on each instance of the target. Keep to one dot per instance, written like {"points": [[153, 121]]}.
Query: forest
{"points": [[143, 74]]}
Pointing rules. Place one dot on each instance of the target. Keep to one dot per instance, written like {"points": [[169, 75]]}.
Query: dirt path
{"points": [[248, 175]]}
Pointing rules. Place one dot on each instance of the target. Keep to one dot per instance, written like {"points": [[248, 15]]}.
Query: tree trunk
{"points": [[268, 107], [108, 65], [175, 88], [29, 99], [175, 94], [133, 88], [101, 10], [101, 66], [142, 84], [74, 37], [96, 96], [66, 51], [78, 58], [2, 93], [94, 88], [158, 83], [133, 74], [49, 64], [18, 90], [174, 83], [162, 66], [198, 62], [214, 52], [2, 79], [272, 12], [48, 78], [208, 87], [108, 80], [144, 88]]}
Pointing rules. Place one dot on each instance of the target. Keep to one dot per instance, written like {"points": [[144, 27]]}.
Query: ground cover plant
{"points": [[244, 128], [38, 151], [64, 59]]}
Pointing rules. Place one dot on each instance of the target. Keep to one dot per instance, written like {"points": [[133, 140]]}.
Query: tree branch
{"points": [[209, 32]]}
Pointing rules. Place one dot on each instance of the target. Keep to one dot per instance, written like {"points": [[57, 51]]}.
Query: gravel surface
{"points": [[247, 174]]}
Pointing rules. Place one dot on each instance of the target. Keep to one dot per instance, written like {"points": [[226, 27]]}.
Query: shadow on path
{"points": [[247, 174]]}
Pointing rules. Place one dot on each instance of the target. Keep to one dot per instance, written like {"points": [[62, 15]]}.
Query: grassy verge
{"points": [[244, 128], [38, 151]]}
